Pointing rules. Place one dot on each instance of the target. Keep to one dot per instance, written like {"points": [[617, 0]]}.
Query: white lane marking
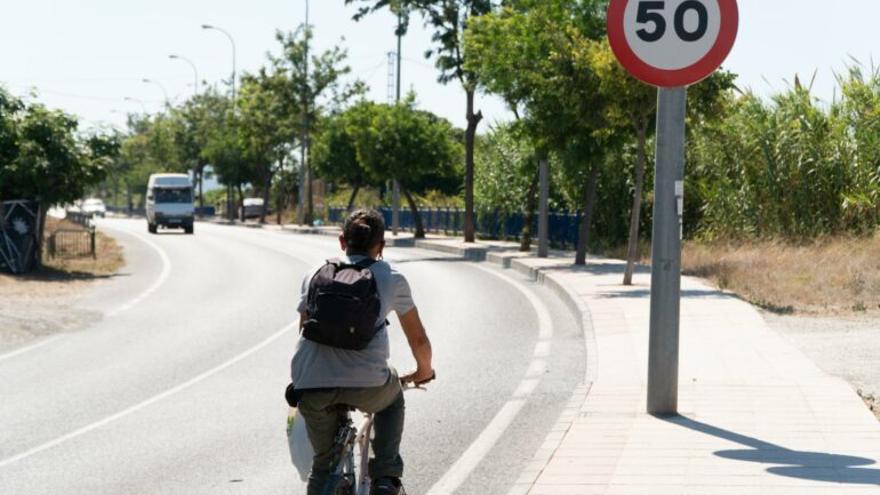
{"points": [[29, 348], [148, 402], [477, 451], [166, 271]]}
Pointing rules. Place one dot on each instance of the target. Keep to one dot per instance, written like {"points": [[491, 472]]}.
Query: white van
{"points": [[170, 202]]}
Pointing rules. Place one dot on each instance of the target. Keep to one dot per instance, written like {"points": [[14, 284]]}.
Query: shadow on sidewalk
{"points": [[817, 466]]}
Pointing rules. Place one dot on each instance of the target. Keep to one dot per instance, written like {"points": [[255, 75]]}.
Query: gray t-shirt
{"points": [[319, 366]]}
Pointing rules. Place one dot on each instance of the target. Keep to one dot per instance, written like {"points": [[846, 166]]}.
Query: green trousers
{"points": [[323, 419]]}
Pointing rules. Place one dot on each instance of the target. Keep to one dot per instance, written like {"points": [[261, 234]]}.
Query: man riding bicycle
{"points": [[337, 372]]}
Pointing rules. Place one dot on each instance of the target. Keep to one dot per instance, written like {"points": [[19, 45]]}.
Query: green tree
{"points": [[415, 147], [535, 55], [315, 86], [506, 177], [334, 155], [44, 157], [449, 19], [267, 124]]}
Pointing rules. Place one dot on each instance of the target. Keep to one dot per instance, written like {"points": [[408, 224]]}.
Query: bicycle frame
{"points": [[352, 438], [345, 479]]}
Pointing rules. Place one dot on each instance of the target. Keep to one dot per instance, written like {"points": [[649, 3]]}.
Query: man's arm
{"points": [[420, 346]]}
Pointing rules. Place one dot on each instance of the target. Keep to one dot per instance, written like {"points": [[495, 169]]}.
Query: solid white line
{"points": [[166, 271], [148, 402], [29, 348], [477, 451]]}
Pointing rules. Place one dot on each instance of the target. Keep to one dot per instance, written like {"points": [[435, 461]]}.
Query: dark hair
{"points": [[363, 230]]}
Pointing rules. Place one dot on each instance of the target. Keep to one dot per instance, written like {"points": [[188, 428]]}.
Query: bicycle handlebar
{"points": [[418, 385]]}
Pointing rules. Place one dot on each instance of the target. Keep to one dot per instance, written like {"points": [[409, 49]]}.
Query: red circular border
{"points": [[672, 78]]}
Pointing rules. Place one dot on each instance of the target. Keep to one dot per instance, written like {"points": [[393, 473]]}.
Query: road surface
{"points": [[179, 387]]}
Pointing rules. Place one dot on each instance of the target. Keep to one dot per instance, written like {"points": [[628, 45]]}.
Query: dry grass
{"points": [[828, 276], [109, 258]]}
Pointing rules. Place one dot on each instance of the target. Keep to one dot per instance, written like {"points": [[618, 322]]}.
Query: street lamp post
{"points": [[232, 41], [198, 169], [161, 86], [195, 70], [305, 180], [395, 192]]}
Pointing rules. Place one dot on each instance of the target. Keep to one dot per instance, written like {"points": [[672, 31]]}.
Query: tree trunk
{"points": [[587, 220], [267, 189], [632, 248], [417, 216], [202, 188], [354, 193], [473, 120], [41, 233], [241, 202], [310, 209], [525, 244]]}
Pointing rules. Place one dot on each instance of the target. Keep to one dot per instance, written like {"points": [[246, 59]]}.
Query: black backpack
{"points": [[343, 305]]}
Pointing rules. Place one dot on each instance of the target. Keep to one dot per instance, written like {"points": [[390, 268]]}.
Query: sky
{"points": [[89, 57]]}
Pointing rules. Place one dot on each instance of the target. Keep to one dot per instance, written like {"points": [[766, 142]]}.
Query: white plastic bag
{"points": [[301, 451]]}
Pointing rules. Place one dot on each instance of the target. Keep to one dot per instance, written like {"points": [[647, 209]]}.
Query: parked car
{"points": [[94, 207], [170, 202], [253, 208]]}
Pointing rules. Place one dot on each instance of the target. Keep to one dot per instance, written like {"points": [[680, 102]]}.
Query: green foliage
{"points": [[43, 157], [334, 154], [415, 147], [506, 166], [791, 167]]}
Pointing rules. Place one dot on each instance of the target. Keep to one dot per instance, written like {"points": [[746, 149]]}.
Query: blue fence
{"points": [[490, 225]]}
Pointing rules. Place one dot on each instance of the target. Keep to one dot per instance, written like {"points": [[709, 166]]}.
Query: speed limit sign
{"points": [[672, 43]]}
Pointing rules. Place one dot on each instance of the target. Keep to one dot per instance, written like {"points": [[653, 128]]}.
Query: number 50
{"points": [[651, 12]]}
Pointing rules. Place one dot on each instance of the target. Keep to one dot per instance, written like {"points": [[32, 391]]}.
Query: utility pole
{"points": [[395, 192], [304, 216]]}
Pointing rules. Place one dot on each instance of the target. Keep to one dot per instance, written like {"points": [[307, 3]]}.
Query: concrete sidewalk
{"points": [[757, 416]]}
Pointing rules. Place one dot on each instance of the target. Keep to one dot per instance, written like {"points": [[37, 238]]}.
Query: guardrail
{"points": [[80, 218], [563, 226], [70, 243]]}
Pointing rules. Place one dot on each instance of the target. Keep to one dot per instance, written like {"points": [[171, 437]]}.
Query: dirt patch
{"points": [[838, 276], [843, 346], [44, 302]]}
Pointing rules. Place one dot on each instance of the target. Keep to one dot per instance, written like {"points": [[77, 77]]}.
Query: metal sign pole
{"points": [[666, 252]]}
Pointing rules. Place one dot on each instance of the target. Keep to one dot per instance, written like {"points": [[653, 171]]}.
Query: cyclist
{"points": [[327, 377]]}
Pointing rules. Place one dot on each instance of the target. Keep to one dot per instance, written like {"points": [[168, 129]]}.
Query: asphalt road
{"points": [[178, 388]]}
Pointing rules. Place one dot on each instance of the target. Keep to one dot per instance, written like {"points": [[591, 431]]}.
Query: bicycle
{"points": [[344, 478]]}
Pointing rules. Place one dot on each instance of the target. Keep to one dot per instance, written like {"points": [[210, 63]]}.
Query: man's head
{"points": [[363, 233]]}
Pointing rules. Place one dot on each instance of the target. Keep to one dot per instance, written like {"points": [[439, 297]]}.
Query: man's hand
{"points": [[419, 377]]}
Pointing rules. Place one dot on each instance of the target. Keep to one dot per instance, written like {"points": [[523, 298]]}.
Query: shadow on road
{"points": [[47, 274], [819, 466]]}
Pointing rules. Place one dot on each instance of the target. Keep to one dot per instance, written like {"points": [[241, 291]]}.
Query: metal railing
{"points": [[80, 218], [563, 231], [70, 243]]}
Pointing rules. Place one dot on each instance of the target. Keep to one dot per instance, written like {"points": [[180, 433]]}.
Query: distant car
{"points": [[253, 208], [94, 207]]}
